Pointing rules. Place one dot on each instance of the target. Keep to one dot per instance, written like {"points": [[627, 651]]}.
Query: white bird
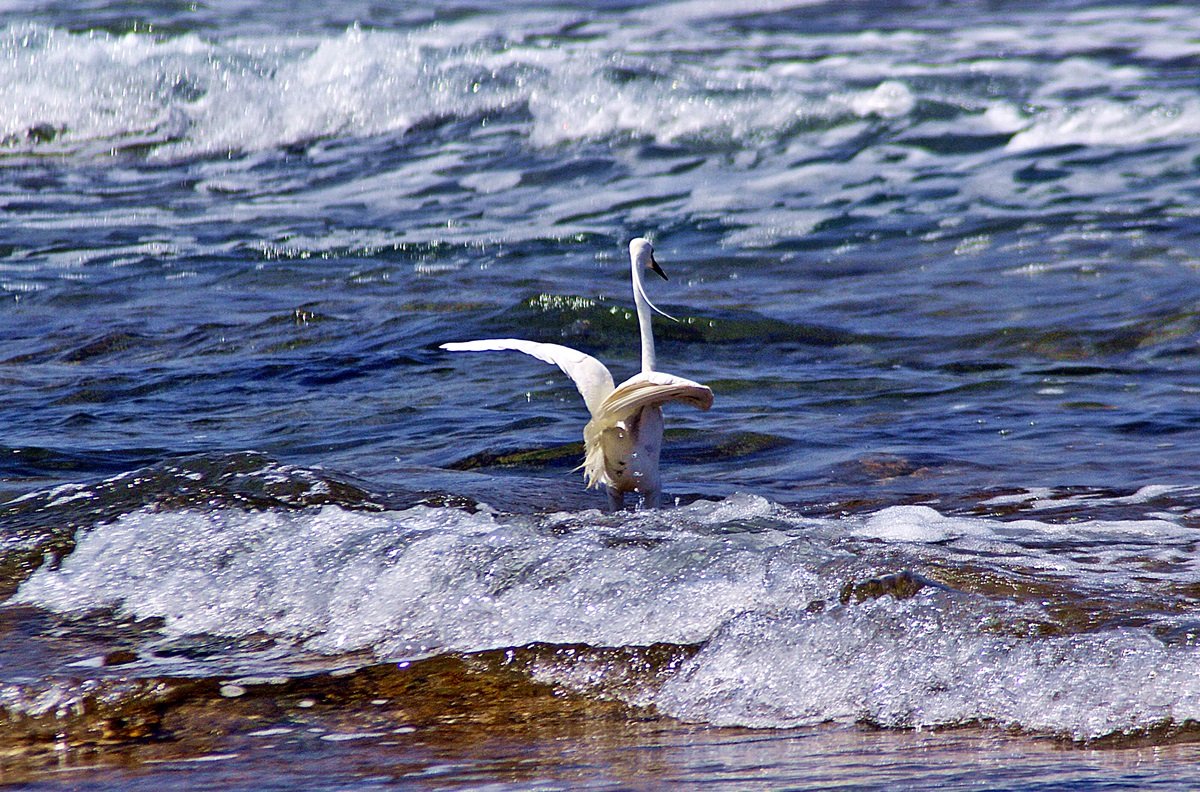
{"points": [[623, 439]]}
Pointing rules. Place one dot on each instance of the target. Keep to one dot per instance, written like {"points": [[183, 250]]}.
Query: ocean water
{"points": [[938, 264]]}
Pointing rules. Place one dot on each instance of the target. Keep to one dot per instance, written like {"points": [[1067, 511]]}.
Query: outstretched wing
{"points": [[590, 376], [650, 389]]}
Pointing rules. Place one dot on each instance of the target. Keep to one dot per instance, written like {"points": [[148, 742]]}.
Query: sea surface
{"points": [[939, 263]]}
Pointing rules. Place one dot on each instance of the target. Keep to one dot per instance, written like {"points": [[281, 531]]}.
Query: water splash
{"points": [[761, 591], [637, 76]]}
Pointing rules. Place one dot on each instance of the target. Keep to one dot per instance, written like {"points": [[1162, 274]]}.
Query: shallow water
{"points": [[939, 271]]}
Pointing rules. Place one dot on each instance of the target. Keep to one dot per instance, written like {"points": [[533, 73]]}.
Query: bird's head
{"points": [[642, 253]]}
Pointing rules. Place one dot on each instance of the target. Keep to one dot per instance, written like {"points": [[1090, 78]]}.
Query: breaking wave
{"points": [[903, 618]]}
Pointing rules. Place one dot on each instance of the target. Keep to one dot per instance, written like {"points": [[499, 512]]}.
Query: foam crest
{"points": [[931, 661], [787, 630], [685, 12], [890, 99], [1112, 559], [185, 96], [1109, 123], [411, 582], [645, 75], [53, 84], [925, 525]]}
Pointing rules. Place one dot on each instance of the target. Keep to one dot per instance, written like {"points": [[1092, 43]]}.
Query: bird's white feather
{"points": [[650, 389], [590, 376], [647, 389]]}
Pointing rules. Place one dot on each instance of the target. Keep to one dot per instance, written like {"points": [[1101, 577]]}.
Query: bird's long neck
{"points": [[644, 316]]}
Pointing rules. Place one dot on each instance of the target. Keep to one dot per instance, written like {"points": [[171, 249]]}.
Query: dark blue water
{"points": [[939, 270]]}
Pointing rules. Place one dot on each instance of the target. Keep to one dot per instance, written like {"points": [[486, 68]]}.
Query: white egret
{"points": [[623, 439]]}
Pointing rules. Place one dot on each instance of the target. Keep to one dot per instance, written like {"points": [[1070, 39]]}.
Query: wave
{"points": [[791, 620], [561, 78]]}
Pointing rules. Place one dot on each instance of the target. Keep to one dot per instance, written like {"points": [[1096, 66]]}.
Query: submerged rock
{"points": [[901, 585]]}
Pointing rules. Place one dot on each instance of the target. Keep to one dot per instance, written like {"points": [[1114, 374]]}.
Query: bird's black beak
{"points": [[654, 266]]}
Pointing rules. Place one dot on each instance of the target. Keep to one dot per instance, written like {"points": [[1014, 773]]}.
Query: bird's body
{"points": [[623, 439]]}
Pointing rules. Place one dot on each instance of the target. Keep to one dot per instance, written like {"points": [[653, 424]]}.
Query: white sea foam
{"points": [[190, 96], [405, 583], [1109, 123], [889, 99], [634, 74], [1043, 498], [928, 661], [755, 585]]}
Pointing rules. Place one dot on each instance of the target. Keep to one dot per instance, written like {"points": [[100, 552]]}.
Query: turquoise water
{"points": [[938, 269]]}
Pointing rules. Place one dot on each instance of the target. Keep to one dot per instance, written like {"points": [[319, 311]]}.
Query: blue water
{"points": [[939, 270]]}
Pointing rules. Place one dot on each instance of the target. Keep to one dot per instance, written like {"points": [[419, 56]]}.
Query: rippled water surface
{"points": [[937, 264]]}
